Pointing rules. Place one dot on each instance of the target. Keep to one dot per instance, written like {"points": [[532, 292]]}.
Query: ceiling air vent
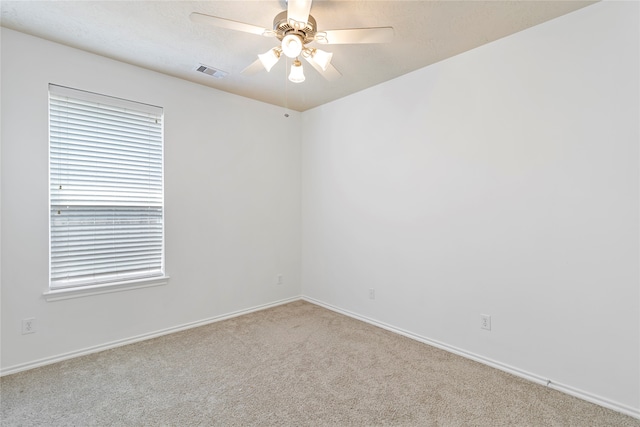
{"points": [[213, 72]]}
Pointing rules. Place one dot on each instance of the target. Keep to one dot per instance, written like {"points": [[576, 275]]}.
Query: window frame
{"points": [[115, 283]]}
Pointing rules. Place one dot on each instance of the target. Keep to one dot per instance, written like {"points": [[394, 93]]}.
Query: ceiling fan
{"points": [[296, 29]]}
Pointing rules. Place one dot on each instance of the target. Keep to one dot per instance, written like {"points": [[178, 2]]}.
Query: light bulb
{"points": [[292, 45], [296, 75]]}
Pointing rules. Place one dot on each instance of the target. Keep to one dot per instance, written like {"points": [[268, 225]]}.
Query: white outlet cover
{"points": [[28, 326], [485, 322]]}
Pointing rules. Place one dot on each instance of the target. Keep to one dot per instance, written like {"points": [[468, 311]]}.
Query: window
{"points": [[106, 189]]}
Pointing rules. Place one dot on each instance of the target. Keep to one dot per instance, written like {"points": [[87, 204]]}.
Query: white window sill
{"points": [[85, 291]]}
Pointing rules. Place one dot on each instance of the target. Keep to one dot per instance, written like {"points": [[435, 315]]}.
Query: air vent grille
{"points": [[213, 72]]}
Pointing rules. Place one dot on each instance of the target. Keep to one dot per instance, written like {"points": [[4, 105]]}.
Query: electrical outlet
{"points": [[279, 279], [28, 326], [372, 294], [485, 322]]}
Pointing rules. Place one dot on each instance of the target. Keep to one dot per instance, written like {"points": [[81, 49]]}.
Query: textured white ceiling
{"points": [[159, 35]]}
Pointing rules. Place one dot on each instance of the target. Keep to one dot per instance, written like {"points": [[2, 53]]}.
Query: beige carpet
{"points": [[292, 365]]}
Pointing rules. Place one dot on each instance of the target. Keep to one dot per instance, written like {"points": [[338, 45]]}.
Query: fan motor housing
{"points": [[282, 27]]}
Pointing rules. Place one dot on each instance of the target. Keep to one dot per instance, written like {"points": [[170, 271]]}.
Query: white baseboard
{"points": [[95, 349], [581, 394], [624, 409]]}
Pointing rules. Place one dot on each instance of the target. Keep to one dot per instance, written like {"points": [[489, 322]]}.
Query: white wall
{"points": [[502, 181], [232, 197]]}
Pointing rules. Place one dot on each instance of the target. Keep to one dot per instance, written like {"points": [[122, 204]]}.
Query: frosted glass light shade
{"points": [[296, 75], [269, 59], [292, 45], [322, 58]]}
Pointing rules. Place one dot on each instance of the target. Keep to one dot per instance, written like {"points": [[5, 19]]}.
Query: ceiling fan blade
{"points": [[254, 68], [298, 13], [331, 73], [229, 24], [356, 35]]}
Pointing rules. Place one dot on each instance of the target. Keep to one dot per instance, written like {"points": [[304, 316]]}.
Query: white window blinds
{"points": [[106, 189]]}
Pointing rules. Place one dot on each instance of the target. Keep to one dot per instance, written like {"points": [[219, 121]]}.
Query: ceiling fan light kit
{"points": [[297, 74], [270, 58], [292, 45], [295, 28], [320, 57]]}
